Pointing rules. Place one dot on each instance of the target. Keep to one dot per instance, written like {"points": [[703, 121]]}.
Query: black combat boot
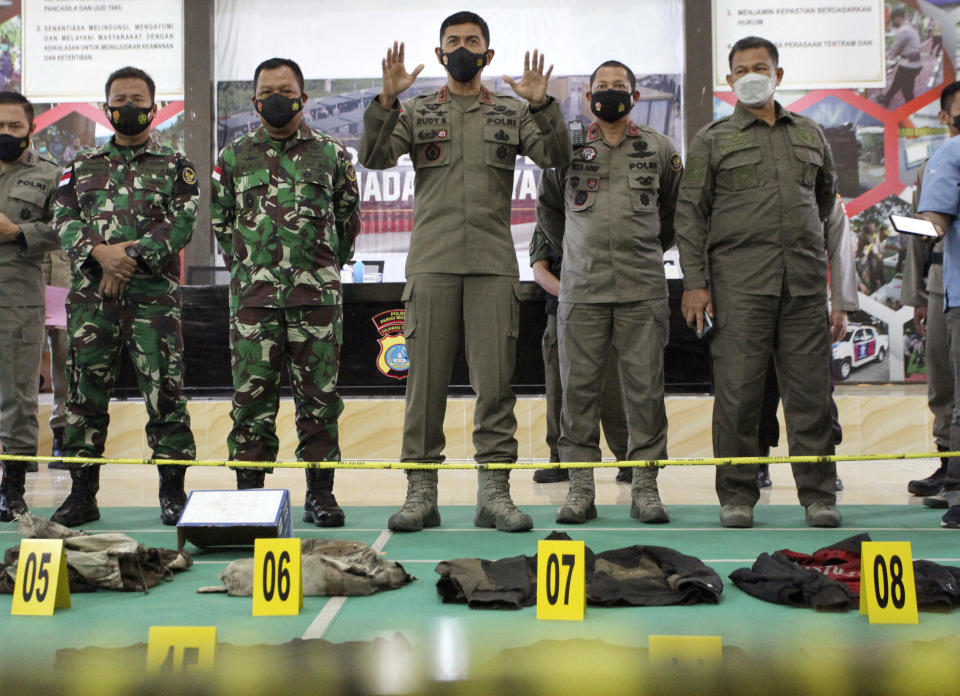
{"points": [[250, 478], [11, 490], [933, 484], [57, 450], [172, 495], [320, 507], [81, 505]]}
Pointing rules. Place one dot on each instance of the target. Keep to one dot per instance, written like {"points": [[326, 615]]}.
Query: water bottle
{"points": [[358, 271]]}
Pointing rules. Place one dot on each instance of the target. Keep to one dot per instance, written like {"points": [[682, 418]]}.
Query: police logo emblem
{"points": [[580, 198], [189, 176], [588, 153], [574, 181], [25, 214], [676, 163], [501, 135], [432, 152], [392, 360], [351, 172], [645, 199], [502, 152]]}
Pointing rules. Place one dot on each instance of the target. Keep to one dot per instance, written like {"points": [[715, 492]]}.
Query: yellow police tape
{"points": [[359, 464]]}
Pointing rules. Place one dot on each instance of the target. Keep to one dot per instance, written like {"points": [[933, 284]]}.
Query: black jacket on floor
{"points": [[781, 578], [649, 576]]}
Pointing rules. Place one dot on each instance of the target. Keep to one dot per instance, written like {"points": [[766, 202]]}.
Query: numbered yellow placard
{"points": [[888, 593], [561, 580], [277, 577], [179, 649], [685, 652], [42, 584]]}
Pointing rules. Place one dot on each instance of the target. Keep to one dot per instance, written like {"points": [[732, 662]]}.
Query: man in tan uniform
{"points": [[757, 188], [27, 186], [923, 290], [462, 267], [612, 211]]}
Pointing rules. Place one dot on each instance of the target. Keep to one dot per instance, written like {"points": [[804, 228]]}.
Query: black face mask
{"points": [[463, 64], [11, 147], [279, 110], [129, 119], [611, 104]]}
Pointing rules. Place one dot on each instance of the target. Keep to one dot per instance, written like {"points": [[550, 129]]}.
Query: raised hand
{"points": [[396, 79], [533, 83]]}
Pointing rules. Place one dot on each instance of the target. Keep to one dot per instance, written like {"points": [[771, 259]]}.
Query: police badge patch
{"points": [[432, 152], [588, 153], [676, 163], [580, 198], [25, 214]]}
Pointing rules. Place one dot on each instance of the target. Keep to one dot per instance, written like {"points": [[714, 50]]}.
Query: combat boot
{"points": [[933, 484], [646, 505], [56, 450], [11, 491], [579, 505], [495, 508], [81, 505], [248, 478], [172, 496], [420, 508], [319, 506]]}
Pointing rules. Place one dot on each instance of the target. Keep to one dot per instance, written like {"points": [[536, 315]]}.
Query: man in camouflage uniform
{"points": [[124, 211], [285, 212], [462, 267], [758, 186], [27, 186], [611, 211]]}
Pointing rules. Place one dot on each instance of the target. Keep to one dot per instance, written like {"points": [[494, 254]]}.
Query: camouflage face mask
{"points": [[130, 119]]}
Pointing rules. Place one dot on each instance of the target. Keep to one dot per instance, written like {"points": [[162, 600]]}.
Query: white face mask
{"points": [[754, 89]]}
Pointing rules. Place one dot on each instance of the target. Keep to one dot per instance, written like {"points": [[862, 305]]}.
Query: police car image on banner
{"points": [[392, 359], [860, 345]]}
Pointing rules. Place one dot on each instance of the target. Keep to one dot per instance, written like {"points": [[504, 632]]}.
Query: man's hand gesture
{"points": [[396, 79], [533, 84]]}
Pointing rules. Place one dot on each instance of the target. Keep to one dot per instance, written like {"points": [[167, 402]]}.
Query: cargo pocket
{"points": [[738, 170], [409, 311], [514, 329], [501, 145]]}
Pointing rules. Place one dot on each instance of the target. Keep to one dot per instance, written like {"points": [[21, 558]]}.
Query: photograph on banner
{"points": [[341, 82], [914, 58], [918, 136]]}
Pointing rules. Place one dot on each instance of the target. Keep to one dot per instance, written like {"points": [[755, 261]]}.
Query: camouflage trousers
{"points": [[151, 333], [306, 340]]}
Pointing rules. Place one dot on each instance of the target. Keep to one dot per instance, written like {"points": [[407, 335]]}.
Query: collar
{"points": [[593, 131], [151, 147], [261, 137], [742, 118], [29, 157], [443, 95]]}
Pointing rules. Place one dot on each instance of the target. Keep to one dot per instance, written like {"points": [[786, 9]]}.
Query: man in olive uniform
{"points": [[758, 186], [27, 186], [612, 212], [285, 212], [124, 211], [923, 290], [546, 262], [462, 267]]}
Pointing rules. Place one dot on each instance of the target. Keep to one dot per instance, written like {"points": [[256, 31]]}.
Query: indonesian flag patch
{"points": [[216, 174], [66, 176]]}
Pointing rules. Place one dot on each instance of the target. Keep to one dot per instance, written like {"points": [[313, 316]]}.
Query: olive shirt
{"points": [[752, 203], [611, 211], [146, 194], [286, 215], [464, 161], [27, 188]]}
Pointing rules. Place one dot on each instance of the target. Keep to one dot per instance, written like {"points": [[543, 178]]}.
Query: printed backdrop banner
{"points": [[826, 43], [70, 47], [343, 75]]}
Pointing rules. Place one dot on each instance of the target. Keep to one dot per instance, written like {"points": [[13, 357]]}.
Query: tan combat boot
{"points": [[495, 508], [646, 505], [579, 506], [420, 508]]}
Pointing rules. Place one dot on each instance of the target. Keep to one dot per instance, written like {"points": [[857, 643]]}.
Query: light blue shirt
{"points": [[940, 193]]}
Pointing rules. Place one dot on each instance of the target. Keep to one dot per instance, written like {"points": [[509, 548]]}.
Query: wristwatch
{"points": [[133, 253]]}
